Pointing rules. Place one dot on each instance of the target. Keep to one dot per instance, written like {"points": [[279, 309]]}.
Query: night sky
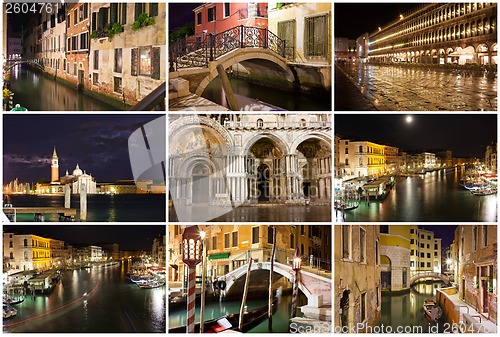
{"points": [[351, 20], [98, 143], [129, 237], [465, 135], [445, 232], [180, 13]]}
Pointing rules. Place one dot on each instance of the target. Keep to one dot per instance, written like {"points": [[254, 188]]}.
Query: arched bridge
{"points": [[316, 284], [421, 277], [12, 63], [195, 58]]}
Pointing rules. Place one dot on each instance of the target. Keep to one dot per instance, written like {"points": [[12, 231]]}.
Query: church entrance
{"points": [[200, 188], [263, 182]]}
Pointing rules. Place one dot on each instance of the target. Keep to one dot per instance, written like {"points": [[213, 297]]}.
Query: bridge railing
{"points": [[198, 50]]}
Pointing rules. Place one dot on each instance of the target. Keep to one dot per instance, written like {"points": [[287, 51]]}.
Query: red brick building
{"points": [[218, 17], [77, 45]]}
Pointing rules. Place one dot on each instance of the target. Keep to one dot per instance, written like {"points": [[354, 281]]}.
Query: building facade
{"points": [[76, 64], [425, 251], [395, 257], [357, 284], [490, 158], [361, 159], [250, 159], [127, 49], [159, 250], [26, 252], [438, 33]]}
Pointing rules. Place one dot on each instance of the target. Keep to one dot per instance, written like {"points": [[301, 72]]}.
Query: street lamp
{"points": [[296, 264], [192, 247]]}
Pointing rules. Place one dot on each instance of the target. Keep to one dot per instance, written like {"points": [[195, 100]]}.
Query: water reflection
{"points": [[39, 93]]}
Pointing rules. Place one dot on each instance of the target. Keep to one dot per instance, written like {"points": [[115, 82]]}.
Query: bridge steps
{"points": [[178, 87]]}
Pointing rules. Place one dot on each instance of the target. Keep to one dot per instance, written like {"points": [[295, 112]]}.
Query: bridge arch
{"points": [[16, 63], [421, 277], [241, 55]]}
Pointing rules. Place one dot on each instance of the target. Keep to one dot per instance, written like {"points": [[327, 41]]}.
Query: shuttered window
{"points": [[316, 37], [133, 65], [156, 63], [286, 31]]}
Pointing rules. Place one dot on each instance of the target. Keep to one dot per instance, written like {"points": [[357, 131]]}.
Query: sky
{"points": [[445, 232], [466, 135], [97, 143], [180, 13], [351, 20], [129, 237]]}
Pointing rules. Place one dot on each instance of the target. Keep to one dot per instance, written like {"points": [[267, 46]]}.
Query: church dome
{"points": [[77, 172]]}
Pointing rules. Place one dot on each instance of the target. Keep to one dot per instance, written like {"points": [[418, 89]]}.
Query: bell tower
{"points": [[54, 173]]}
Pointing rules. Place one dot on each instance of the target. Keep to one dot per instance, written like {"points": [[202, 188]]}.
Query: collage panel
{"points": [[83, 56], [416, 168], [84, 167], [249, 167], [236, 263], [415, 278], [416, 57], [81, 279], [255, 56]]}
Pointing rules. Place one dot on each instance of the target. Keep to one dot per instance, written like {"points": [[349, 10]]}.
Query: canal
{"points": [[437, 196], [412, 88], [41, 93], [406, 311], [98, 299], [287, 100], [177, 315]]}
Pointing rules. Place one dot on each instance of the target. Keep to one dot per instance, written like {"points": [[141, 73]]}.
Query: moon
{"points": [[409, 119]]}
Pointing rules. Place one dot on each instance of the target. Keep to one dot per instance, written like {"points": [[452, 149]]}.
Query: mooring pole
{"points": [[226, 85], [270, 305], [245, 293]]}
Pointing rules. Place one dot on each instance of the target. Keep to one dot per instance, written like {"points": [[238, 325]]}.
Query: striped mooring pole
{"points": [[191, 300], [296, 264]]}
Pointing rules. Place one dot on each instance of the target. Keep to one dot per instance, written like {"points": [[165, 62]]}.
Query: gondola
{"points": [[231, 322], [432, 310]]}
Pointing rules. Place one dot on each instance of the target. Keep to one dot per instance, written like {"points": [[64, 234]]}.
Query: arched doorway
{"points": [[344, 310], [385, 272], [200, 187], [263, 175]]}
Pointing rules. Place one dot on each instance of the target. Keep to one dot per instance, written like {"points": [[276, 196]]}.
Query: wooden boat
{"points": [[484, 191], [151, 284], [432, 311], [231, 322]]}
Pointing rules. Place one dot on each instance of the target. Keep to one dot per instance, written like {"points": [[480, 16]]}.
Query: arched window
{"points": [[25, 242], [260, 123], [303, 122], [11, 255]]}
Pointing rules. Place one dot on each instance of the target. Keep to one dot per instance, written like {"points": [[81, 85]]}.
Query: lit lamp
{"points": [[296, 264], [192, 247]]}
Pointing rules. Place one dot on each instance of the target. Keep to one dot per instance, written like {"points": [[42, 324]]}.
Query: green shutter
{"points": [[124, 13], [113, 16], [154, 9], [134, 61], [155, 63], [138, 11], [94, 21]]}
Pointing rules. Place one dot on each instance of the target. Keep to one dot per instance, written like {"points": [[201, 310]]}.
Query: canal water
{"points": [[291, 101], [436, 197], [101, 207], [40, 93], [406, 311], [97, 299], [177, 316]]}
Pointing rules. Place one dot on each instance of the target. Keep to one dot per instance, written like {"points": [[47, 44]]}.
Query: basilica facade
{"points": [[250, 159]]}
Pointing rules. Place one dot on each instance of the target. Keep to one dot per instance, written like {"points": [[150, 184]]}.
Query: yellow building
{"points": [[425, 251], [26, 252], [395, 257], [361, 159], [357, 284]]}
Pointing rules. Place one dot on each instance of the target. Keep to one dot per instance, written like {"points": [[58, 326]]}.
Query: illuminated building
{"points": [[395, 257], [26, 252], [361, 159], [437, 33], [425, 253], [490, 158]]}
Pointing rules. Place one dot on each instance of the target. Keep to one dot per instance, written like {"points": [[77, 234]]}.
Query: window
{"points": [[214, 243], [422, 245], [68, 21], [85, 8], [362, 245], [255, 235], [412, 241], [95, 78], [11, 255], [428, 255], [428, 264], [118, 60], [412, 230], [422, 254], [376, 253], [422, 264], [361, 149], [198, 18], [363, 307], [25, 242], [412, 252], [292, 241], [346, 241], [412, 264], [260, 123], [270, 235], [302, 230], [75, 16], [235, 239], [422, 236], [117, 84], [428, 246], [384, 229], [485, 235], [227, 7], [10, 244], [435, 254], [226, 240], [84, 41], [346, 150], [316, 36], [302, 249], [428, 237], [435, 246], [149, 8], [474, 238], [145, 61], [96, 59], [211, 14], [404, 277]]}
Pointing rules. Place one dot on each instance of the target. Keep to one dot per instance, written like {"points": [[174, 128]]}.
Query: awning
{"points": [[467, 51], [218, 256]]}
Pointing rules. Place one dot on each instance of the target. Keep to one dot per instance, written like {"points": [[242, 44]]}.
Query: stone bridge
{"points": [[12, 63], [421, 277]]}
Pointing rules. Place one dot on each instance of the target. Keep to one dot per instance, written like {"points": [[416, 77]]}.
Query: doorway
{"points": [[344, 308], [81, 76], [484, 288], [263, 182], [200, 190]]}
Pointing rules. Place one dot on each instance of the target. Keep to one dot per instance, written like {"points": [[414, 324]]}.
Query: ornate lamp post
{"points": [[296, 264], [192, 248]]}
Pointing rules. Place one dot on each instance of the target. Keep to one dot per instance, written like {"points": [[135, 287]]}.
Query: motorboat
{"points": [[8, 311], [432, 310], [151, 284], [251, 319]]}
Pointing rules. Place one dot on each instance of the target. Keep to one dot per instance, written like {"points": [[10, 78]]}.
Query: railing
{"points": [[197, 51], [154, 101]]}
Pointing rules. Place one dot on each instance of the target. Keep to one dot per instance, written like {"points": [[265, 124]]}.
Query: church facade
{"points": [[249, 159], [76, 180]]}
